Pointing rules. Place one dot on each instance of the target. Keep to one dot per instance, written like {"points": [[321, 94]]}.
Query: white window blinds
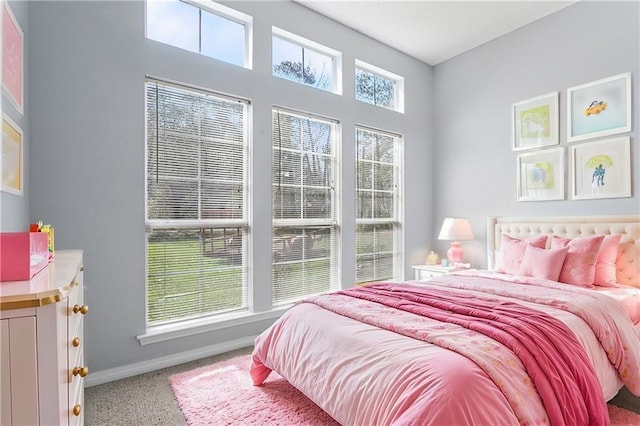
{"points": [[377, 205], [304, 246], [196, 192]]}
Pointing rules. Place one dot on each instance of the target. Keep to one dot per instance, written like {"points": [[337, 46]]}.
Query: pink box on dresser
{"points": [[22, 254]]}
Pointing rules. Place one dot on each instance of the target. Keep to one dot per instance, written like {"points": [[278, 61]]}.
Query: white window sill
{"points": [[163, 333]]}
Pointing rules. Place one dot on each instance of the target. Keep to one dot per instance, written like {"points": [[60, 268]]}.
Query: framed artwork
{"points": [[541, 175], [11, 162], [535, 122], [600, 108], [601, 169], [12, 57]]}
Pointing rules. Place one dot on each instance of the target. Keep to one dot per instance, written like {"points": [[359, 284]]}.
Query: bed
{"points": [[530, 340]]}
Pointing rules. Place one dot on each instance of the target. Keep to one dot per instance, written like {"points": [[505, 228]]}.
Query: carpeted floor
{"points": [[147, 399]]}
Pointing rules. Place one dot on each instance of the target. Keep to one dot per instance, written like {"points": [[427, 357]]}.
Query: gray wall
{"points": [[474, 166], [14, 209], [88, 64]]}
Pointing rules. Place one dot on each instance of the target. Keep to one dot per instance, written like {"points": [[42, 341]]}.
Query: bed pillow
{"points": [[606, 262], [540, 263], [632, 306], [512, 251], [628, 265], [579, 266]]}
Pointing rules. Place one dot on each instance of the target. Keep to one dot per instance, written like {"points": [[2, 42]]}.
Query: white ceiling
{"points": [[434, 31]]}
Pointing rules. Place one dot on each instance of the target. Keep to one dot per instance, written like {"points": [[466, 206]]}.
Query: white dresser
{"points": [[42, 348]]}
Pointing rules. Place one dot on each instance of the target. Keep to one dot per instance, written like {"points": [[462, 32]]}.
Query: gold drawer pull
{"points": [[82, 309], [82, 371], [77, 409], [76, 342]]}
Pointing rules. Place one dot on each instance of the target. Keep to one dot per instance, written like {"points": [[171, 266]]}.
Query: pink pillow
{"points": [[541, 263], [632, 306], [628, 265], [579, 266], [512, 251], [606, 263]]}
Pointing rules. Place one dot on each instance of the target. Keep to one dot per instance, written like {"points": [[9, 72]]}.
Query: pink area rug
{"points": [[222, 394]]}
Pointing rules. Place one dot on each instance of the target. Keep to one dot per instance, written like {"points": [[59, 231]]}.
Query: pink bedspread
{"points": [[362, 374]]}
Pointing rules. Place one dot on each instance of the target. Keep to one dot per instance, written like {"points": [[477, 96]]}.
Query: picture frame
{"points": [[12, 58], [599, 108], [541, 175], [12, 159], [601, 169], [535, 122]]}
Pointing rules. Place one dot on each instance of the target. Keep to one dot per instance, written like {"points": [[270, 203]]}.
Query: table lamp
{"points": [[455, 230]]}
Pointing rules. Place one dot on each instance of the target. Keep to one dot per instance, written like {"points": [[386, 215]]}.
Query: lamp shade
{"points": [[454, 229]]}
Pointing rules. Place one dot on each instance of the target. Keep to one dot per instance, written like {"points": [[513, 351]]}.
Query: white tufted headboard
{"points": [[567, 227]]}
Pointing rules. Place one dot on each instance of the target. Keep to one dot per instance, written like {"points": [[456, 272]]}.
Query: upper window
{"points": [[376, 86], [306, 62], [196, 203], [378, 193], [203, 27], [304, 246]]}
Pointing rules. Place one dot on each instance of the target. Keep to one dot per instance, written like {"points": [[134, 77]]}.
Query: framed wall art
{"points": [[12, 57], [599, 108], [12, 162], [535, 122], [541, 175], [601, 169]]}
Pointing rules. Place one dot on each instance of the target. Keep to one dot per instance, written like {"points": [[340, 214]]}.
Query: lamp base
{"points": [[454, 254]]}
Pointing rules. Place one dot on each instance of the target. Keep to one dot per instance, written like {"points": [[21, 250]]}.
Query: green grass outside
{"points": [[181, 282]]}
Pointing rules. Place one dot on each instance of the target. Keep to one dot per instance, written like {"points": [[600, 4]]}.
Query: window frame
{"points": [[315, 47], [221, 11], [331, 223], [398, 219], [192, 224], [379, 72]]}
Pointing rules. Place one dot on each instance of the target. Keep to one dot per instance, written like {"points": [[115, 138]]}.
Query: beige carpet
{"points": [[144, 400], [147, 399]]}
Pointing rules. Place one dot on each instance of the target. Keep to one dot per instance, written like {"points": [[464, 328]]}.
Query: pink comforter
{"points": [[362, 374]]}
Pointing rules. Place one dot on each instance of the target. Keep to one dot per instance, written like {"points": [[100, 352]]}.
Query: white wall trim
{"points": [[130, 370], [162, 333]]}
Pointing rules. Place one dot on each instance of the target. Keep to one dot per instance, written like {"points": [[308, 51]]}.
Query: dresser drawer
{"points": [[76, 402], [75, 346], [76, 305]]}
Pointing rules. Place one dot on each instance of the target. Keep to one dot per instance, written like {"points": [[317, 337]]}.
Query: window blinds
{"points": [[377, 205], [195, 203], [304, 246]]}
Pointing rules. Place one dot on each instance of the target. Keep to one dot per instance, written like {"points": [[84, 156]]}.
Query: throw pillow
{"points": [[512, 251], [540, 263], [579, 266]]}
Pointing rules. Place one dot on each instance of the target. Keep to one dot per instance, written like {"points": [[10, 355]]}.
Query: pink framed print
{"points": [[12, 57]]}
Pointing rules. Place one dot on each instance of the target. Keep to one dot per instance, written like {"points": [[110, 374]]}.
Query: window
{"points": [[196, 208], [378, 230], [305, 62], [203, 27], [376, 86], [304, 247]]}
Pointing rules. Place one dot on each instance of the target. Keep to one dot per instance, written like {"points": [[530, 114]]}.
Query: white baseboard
{"points": [[112, 374]]}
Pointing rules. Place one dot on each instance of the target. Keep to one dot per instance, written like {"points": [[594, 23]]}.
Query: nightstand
{"points": [[426, 272]]}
